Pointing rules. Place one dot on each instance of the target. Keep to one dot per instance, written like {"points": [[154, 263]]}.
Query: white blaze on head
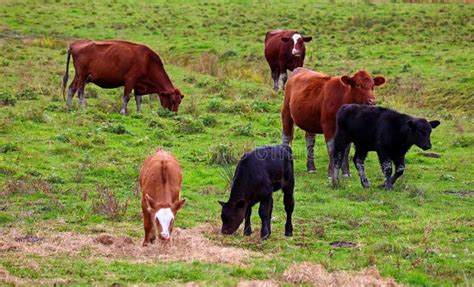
{"points": [[165, 216], [295, 38]]}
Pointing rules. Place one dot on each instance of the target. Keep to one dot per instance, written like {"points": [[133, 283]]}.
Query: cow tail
{"points": [[66, 74]]}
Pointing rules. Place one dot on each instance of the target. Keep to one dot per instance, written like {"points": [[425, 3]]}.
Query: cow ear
{"points": [[150, 204], [379, 81], [411, 125], [221, 203], [285, 39], [179, 204], [240, 203], [346, 80], [434, 124], [307, 39]]}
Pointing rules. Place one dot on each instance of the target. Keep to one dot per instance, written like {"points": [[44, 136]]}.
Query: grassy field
{"points": [[74, 174]]}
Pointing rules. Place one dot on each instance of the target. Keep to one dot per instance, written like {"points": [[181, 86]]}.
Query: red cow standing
{"points": [[113, 64]]}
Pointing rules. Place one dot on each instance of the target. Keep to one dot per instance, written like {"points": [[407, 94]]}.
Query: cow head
{"points": [[298, 43], [420, 131], [232, 215], [362, 87], [163, 214], [171, 99]]}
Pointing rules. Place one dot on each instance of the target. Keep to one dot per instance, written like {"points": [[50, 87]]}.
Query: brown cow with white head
{"points": [[160, 182], [284, 50]]}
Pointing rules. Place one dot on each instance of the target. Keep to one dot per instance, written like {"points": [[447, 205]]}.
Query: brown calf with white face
{"points": [[284, 50], [160, 182]]}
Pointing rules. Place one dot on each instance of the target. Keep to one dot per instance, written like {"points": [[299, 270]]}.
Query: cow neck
{"points": [[162, 81], [349, 97]]}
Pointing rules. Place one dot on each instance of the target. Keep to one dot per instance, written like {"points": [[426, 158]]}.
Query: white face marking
{"points": [[165, 216], [295, 38]]}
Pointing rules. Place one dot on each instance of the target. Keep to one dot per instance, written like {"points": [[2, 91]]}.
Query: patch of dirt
{"points": [[258, 283], [185, 245], [462, 193], [317, 275], [28, 238], [343, 244], [429, 154]]}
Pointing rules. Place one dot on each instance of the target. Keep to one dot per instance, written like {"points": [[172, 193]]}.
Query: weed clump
{"points": [[114, 128], [222, 154], [215, 105], [6, 99], [9, 147], [26, 187], [27, 94], [165, 113], [106, 203], [208, 120], [189, 125], [243, 130]]}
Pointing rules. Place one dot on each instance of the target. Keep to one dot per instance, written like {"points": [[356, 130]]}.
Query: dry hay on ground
{"points": [[258, 283], [185, 245], [317, 275]]}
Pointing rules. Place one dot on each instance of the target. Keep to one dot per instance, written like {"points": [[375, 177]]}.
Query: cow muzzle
{"points": [[372, 101], [164, 236], [296, 53]]}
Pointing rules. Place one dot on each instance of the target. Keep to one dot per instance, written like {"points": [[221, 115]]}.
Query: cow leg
{"points": [[265, 212], [336, 149], [310, 141], [72, 91], [275, 77], [359, 159], [399, 169], [345, 162], [288, 125], [386, 166], [126, 97], [289, 202], [284, 78], [330, 149], [138, 100], [80, 93], [149, 228], [247, 226]]}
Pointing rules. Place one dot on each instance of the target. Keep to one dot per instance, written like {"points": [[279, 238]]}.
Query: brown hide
{"points": [[160, 182], [113, 64]]}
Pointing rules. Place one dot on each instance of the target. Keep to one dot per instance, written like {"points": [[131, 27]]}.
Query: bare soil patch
{"points": [[185, 245], [343, 244], [317, 275]]}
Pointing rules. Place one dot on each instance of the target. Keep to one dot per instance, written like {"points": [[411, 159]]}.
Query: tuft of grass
{"points": [[222, 154], [7, 99], [106, 203]]}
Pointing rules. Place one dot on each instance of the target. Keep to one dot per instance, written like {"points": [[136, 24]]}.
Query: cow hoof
{"points": [[311, 170], [347, 175], [248, 232], [123, 112], [289, 234], [265, 237], [145, 244]]}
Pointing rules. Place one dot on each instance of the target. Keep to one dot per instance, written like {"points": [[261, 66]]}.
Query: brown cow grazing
{"points": [[160, 181], [312, 100], [113, 64], [284, 50]]}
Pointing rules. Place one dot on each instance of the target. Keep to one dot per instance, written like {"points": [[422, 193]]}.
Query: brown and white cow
{"points": [[312, 100], [284, 50], [160, 182], [112, 64]]}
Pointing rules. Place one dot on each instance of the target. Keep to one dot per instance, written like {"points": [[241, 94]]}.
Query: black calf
{"points": [[258, 174], [389, 133]]}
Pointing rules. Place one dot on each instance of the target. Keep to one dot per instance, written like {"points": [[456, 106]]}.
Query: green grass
{"points": [[52, 162]]}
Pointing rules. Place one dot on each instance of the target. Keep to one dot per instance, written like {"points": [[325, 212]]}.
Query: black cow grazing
{"points": [[258, 174], [389, 133]]}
